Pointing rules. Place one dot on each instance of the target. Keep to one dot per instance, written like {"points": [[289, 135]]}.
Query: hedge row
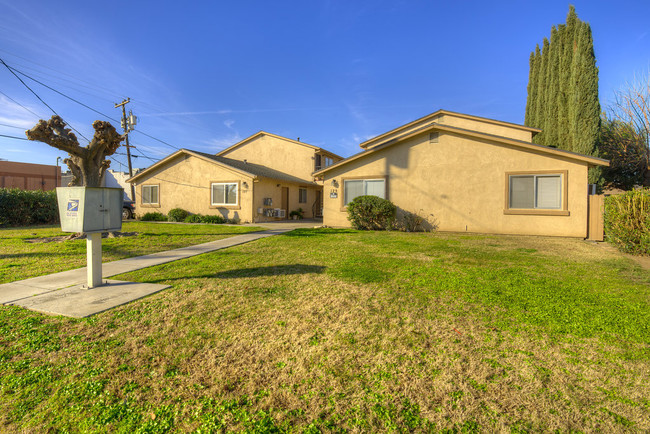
{"points": [[180, 215], [627, 221], [27, 207]]}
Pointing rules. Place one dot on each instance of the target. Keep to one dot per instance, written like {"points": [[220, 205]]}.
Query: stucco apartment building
{"points": [[261, 178], [473, 174]]}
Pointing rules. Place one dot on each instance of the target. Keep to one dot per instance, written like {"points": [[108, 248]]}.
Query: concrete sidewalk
{"points": [[65, 293]]}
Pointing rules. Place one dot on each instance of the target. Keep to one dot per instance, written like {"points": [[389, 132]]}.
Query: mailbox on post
{"points": [[91, 210], [88, 209]]}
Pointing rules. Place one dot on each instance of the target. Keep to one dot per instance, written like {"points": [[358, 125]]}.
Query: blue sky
{"points": [[204, 75]]}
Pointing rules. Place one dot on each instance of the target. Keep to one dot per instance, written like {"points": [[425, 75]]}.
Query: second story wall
{"points": [[278, 153]]}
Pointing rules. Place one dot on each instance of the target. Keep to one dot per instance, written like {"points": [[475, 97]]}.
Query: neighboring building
{"points": [[117, 179], [27, 176], [261, 178], [474, 174]]}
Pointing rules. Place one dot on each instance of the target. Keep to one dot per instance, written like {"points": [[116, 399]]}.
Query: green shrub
{"points": [[154, 217], [213, 219], [27, 207], [177, 215], [371, 213], [194, 218], [627, 221]]}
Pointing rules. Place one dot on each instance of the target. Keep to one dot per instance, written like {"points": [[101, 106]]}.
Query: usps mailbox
{"points": [[90, 209]]}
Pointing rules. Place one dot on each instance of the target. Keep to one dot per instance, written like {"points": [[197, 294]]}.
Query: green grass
{"points": [[338, 330], [20, 259]]}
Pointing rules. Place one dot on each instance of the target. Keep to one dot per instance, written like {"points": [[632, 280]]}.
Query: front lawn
{"points": [[338, 330], [23, 255]]}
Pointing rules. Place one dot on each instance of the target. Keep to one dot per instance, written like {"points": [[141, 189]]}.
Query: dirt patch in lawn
{"points": [[80, 236]]}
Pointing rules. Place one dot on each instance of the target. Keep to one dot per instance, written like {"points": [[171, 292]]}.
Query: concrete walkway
{"points": [[65, 293]]}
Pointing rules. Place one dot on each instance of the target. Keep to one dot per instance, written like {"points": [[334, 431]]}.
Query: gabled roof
{"points": [[264, 133], [430, 117], [244, 168], [592, 161]]}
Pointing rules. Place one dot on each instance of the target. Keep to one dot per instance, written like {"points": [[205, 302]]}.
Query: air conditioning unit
{"points": [[260, 210], [280, 213], [269, 212]]}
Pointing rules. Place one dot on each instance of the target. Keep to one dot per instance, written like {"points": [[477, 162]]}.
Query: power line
{"points": [[12, 126], [161, 141], [14, 71], [14, 137], [16, 102], [39, 98], [63, 94]]}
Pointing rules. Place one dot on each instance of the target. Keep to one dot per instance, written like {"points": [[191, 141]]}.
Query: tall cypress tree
{"points": [[541, 84], [563, 89]]}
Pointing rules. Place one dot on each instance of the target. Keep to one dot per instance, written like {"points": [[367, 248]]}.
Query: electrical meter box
{"points": [[90, 209]]}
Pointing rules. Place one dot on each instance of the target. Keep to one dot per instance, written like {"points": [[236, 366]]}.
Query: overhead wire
{"points": [[39, 98], [11, 126], [16, 71], [17, 103], [14, 137], [80, 103]]}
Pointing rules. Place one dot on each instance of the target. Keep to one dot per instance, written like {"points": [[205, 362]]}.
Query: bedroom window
{"points": [[150, 195], [224, 193], [353, 188]]}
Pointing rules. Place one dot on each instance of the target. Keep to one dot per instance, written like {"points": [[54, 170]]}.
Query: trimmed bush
{"points": [[213, 219], [154, 217], [177, 215], [371, 213], [194, 218], [627, 221], [27, 207]]}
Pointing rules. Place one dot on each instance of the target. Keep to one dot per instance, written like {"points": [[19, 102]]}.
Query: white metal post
{"points": [[94, 259]]}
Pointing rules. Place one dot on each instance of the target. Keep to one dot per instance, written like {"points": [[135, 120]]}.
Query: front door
{"points": [[285, 201]]}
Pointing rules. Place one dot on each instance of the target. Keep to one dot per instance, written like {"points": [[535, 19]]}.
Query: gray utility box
{"points": [[90, 209]]}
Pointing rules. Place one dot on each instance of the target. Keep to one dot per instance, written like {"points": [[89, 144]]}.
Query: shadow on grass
{"points": [[34, 254], [280, 270], [192, 234]]}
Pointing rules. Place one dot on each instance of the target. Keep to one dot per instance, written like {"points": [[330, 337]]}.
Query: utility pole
{"points": [[128, 125]]}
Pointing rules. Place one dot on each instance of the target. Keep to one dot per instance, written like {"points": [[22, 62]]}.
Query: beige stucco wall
{"points": [[462, 181], [185, 182], [486, 127], [273, 189], [482, 126], [282, 155]]}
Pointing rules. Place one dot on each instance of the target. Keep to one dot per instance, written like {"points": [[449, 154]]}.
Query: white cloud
{"points": [[221, 143], [229, 123]]}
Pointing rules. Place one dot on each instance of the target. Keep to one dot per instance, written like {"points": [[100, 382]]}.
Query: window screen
{"points": [[536, 192], [361, 187], [149, 194], [549, 192], [224, 194]]}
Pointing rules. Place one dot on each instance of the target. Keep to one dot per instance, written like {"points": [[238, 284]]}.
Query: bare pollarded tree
{"points": [[87, 164]]}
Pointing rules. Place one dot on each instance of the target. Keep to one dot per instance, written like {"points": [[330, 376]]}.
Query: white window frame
{"points": [[535, 197], [365, 187], [151, 187], [213, 203]]}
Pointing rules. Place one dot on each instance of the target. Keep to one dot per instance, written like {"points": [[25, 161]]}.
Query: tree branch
{"points": [[55, 134]]}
